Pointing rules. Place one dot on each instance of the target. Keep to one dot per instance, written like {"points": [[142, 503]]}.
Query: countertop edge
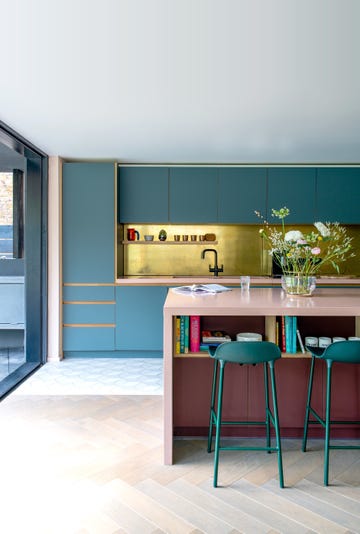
{"points": [[255, 281]]}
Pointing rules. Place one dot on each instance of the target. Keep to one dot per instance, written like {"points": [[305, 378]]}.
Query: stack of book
{"points": [[213, 337], [190, 338]]}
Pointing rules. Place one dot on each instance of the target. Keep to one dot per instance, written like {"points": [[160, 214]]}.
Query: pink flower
{"points": [[302, 242], [315, 251]]}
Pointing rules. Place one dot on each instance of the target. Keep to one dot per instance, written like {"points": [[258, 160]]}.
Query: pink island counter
{"points": [[187, 377]]}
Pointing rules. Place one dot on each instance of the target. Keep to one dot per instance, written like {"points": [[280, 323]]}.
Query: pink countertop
{"points": [[266, 302], [225, 280]]}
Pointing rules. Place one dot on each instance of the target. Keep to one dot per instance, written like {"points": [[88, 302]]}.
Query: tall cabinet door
{"points": [[241, 192], [294, 188], [143, 194], [139, 319], [88, 222], [193, 195], [338, 195]]}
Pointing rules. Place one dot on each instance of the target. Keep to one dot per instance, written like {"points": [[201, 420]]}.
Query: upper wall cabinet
{"points": [[294, 188], [193, 195], [338, 195], [143, 194], [241, 192], [88, 222]]}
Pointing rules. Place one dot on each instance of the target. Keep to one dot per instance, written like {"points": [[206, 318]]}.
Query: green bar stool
{"points": [[251, 353], [342, 352]]}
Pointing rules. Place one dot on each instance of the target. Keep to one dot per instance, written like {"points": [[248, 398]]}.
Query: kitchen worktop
{"points": [[164, 280]]}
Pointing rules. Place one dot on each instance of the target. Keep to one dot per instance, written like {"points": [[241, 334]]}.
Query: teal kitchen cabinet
{"points": [[143, 194], [82, 339], [294, 188], [88, 222], [88, 319], [338, 195], [139, 320], [241, 192], [193, 195]]}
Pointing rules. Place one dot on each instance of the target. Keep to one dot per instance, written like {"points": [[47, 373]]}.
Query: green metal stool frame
{"points": [[250, 353], [342, 352]]}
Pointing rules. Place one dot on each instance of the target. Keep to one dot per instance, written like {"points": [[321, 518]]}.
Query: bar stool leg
{"points": [[276, 424], [218, 421], [308, 404], [267, 408], [327, 422], [212, 406]]}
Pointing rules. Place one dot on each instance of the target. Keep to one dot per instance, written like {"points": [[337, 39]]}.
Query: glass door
{"points": [[12, 354], [22, 259]]}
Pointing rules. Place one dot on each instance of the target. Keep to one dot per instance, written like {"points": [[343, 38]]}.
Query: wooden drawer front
{"points": [[80, 293], [89, 314], [88, 338]]}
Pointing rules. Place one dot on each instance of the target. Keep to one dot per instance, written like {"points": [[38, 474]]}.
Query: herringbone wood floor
{"points": [[93, 464]]}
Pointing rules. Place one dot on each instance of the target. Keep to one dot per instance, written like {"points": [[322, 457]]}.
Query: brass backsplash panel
{"points": [[239, 247]]}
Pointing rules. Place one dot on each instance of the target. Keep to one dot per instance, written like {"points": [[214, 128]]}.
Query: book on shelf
{"points": [[186, 333], [290, 334], [293, 334], [301, 343], [214, 336], [201, 289], [177, 335], [194, 333], [182, 334], [283, 337]]}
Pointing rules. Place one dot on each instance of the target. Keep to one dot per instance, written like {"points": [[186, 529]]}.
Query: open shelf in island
{"points": [[187, 377], [166, 242]]}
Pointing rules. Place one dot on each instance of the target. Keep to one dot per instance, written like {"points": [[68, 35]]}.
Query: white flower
{"points": [[293, 235], [324, 230]]}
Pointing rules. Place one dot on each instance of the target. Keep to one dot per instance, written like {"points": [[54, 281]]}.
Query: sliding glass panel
{"points": [[23, 195], [12, 354]]}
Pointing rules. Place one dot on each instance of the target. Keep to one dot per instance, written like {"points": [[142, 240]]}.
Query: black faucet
{"points": [[216, 269]]}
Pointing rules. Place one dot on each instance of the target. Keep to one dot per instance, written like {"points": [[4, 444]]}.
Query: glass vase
{"points": [[298, 284]]}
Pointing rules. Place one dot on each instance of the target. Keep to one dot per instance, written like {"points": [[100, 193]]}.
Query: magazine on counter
{"points": [[200, 289]]}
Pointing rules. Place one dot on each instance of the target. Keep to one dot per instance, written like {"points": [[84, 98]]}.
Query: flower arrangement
{"points": [[304, 254]]}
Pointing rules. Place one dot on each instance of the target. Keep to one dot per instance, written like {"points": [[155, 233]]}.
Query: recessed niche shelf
{"points": [[157, 242]]}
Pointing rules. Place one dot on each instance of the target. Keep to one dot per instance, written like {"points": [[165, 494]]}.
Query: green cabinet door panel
{"points": [[93, 293], [88, 338], [241, 192], [143, 194], [193, 195], [139, 318], [338, 195], [295, 189], [89, 313], [88, 222]]}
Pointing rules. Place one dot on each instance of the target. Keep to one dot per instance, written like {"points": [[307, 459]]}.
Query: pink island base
{"points": [[187, 378]]}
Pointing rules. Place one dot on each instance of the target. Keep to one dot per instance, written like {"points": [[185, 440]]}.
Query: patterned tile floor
{"points": [[96, 376]]}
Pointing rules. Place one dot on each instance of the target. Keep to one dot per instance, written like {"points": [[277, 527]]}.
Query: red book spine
{"points": [[194, 333], [283, 336]]}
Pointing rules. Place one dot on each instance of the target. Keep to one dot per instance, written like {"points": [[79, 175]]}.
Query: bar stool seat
{"points": [[249, 353], [341, 352]]}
